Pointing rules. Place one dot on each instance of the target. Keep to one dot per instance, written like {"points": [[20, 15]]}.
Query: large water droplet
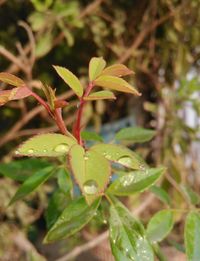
{"points": [[86, 158], [16, 152], [30, 151], [125, 160], [62, 148], [90, 187]]}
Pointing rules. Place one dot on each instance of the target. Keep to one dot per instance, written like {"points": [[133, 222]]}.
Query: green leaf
{"points": [[91, 171], [75, 216], [135, 134], [11, 79], [192, 236], [93, 136], [115, 83], [96, 66], [118, 70], [20, 170], [120, 154], [32, 183], [160, 225], [127, 236], [64, 180], [44, 44], [101, 95], [135, 181], [70, 79], [46, 145], [57, 203], [161, 194], [192, 196]]}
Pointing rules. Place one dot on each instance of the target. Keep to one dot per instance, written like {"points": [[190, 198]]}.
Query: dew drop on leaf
{"points": [[90, 187], [16, 152], [125, 160], [85, 158], [30, 151], [63, 147]]}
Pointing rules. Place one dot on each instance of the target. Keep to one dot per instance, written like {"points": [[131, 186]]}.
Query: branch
{"points": [[99, 239]]}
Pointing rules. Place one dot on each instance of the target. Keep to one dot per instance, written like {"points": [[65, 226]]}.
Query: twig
{"points": [[99, 239]]}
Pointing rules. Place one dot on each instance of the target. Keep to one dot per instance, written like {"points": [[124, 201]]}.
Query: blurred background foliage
{"points": [[160, 41]]}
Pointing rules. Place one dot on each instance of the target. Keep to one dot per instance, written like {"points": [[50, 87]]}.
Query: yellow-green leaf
{"points": [[96, 66], [115, 83], [91, 171], [11, 79], [118, 70], [101, 95], [46, 145], [70, 80]]}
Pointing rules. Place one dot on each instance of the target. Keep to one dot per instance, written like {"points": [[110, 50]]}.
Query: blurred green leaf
{"points": [[192, 236], [93, 136], [75, 216], [161, 194], [20, 170], [32, 183], [127, 236], [64, 180], [41, 5], [192, 196], [135, 134], [44, 44], [160, 225], [135, 181]]}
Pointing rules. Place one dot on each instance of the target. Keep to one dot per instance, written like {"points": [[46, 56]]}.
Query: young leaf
{"points": [[93, 136], [115, 83], [161, 194], [120, 154], [91, 171], [96, 66], [135, 134], [127, 236], [14, 94], [11, 79], [32, 183], [20, 170], [46, 145], [70, 80], [101, 95], [135, 181], [118, 70], [75, 216], [192, 236], [160, 225], [50, 95]]}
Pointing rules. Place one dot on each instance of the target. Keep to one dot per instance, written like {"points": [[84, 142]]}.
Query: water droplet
{"points": [[62, 148], [16, 152], [30, 151], [126, 249], [90, 187], [44, 151], [105, 221], [86, 158], [108, 156], [125, 160]]}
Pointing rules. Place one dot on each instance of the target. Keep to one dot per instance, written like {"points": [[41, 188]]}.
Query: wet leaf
{"points": [[75, 216], [70, 79], [101, 95], [115, 83], [160, 225], [135, 134], [135, 181], [20, 170], [120, 154], [96, 66], [192, 236], [32, 183], [46, 145], [118, 70], [11, 79], [91, 171], [127, 236]]}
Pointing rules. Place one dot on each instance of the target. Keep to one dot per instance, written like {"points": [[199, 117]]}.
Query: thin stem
{"points": [[42, 102], [77, 125]]}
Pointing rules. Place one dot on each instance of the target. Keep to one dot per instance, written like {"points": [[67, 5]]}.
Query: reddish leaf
{"points": [[60, 103], [11, 79], [14, 94], [118, 70]]}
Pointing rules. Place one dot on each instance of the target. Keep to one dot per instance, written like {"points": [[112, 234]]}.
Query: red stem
{"points": [[77, 125]]}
